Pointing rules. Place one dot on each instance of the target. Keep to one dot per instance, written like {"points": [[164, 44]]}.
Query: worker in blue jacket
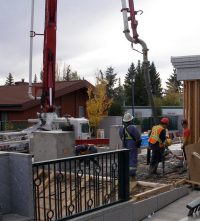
{"points": [[131, 140], [83, 149]]}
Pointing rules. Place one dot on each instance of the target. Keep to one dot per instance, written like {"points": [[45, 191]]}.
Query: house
{"points": [[70, 98]]}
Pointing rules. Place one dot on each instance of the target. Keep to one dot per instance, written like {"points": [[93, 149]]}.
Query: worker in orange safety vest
{"points": [[156, 141]]}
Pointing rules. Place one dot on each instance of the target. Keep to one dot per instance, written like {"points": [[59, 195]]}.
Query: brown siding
{"points": [[68, 103], [23, 115]]}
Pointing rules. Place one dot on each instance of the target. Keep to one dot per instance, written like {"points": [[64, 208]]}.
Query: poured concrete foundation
{"points": [[48, 145], [16, 184]]}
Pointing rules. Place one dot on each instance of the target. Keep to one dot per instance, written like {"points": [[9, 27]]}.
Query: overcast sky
{"points": [[90, 35]]}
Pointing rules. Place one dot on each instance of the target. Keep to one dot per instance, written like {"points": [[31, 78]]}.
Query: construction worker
{"points": [[83, 149], [156, 141], [186, 136], [131, 140]]}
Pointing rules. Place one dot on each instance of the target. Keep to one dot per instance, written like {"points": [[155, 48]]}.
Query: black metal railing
{"points": [[73, 186]]}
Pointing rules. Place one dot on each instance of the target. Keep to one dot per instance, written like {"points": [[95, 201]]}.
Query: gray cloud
{"points": [[89, 35]]}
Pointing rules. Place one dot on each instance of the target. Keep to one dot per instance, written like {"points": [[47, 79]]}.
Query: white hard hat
{"points": [[127, 117]]}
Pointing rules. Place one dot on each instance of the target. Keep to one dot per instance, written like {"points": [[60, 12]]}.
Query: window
{"points": [[85, 128], [81, 111]]}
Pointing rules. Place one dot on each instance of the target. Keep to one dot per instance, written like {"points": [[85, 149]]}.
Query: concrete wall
{"points": [[48, 145], [115, 141], [145, 111], [109, 121], [16, 185]]}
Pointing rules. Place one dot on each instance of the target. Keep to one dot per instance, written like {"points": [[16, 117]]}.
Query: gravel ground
{"points": [[173, 172]]}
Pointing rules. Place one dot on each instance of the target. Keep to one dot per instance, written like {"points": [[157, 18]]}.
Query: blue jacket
{"points": [[128, 141]]}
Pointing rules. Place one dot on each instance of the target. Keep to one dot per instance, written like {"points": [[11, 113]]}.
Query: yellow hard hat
{"points": [[169, 142]]}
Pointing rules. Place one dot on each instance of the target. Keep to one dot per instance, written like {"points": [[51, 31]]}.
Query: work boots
{"points": [[153, 170]]}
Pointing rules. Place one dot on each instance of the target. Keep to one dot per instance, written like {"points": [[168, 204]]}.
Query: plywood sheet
{"points": [[193, 161], [192, 107]]}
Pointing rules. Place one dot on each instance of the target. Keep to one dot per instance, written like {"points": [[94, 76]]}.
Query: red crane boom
{"points": [[49, 56]]}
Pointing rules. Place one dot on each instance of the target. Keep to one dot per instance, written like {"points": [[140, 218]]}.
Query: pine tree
{"points": [[74, 76], [9, 80], [128, 81], [141, 97], [41, 75], [110, 77], [172, 84], [69, 75], [116, 108], [155, 81], [174, 92], [35, 79]]}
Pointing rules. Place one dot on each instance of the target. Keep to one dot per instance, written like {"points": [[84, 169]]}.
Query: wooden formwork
{"points": [[192, 107], [71, 194]]}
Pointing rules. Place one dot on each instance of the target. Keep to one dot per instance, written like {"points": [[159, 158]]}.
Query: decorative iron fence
{"points": [[71, 187]]}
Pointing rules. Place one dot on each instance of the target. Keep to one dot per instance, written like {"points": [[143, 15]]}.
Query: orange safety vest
{"points": [[155, 135]]}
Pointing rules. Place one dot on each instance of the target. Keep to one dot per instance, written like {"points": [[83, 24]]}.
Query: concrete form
{"points": [[135, 211], [188, 70]]}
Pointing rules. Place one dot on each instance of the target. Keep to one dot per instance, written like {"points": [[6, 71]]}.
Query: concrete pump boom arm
{"points": [[135, 40]]}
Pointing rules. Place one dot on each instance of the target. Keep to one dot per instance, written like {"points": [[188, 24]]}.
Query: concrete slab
{"points": [[176, 211], [14, 217]]}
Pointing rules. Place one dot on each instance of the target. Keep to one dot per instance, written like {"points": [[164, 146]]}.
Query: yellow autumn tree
{"points": [[98, 103]]}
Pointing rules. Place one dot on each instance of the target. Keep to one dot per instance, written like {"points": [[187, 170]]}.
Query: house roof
{"points": [[15, 97]]}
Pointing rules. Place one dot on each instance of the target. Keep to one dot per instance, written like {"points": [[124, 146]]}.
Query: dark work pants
{"points": [[156, 156]]}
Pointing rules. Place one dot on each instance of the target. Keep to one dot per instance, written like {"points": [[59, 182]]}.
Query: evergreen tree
{"points": [[172, 84], [110, 77], [128, 81], [141, 97], [116, 108], [41, 75], [69, 75], [9, 80], [155, 81], [74, 76], [66, 72], [35, 79], [174, 91]]}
